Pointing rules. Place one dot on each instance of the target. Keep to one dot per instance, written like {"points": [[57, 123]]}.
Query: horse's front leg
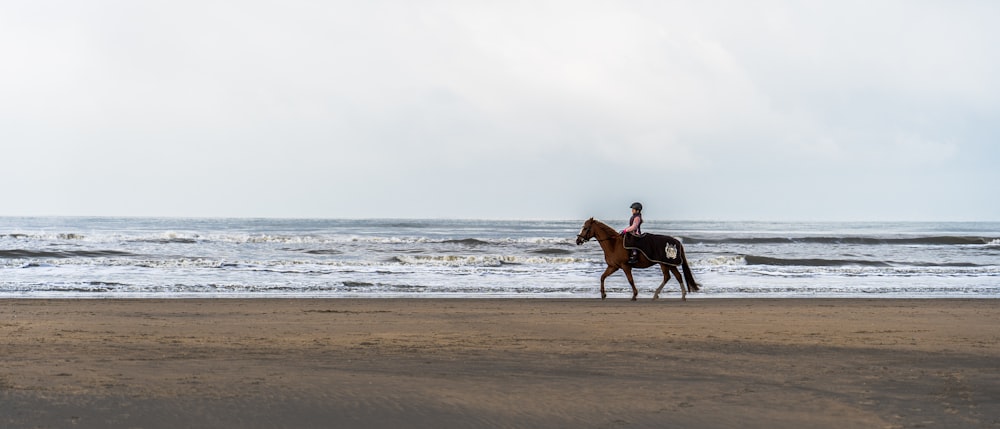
{"points": [[610, 270], [628, 274]]}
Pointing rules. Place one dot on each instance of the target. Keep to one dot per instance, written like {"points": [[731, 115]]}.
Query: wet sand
{"points": [[390, 363]]}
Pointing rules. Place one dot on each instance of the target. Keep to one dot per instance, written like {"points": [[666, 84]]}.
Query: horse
{"points": [[616, 257]]}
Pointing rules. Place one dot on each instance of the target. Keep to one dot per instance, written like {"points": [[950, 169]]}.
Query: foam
{"points": [[484, 260]]}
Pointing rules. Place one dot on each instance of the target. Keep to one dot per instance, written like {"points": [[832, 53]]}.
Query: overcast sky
{"points": [[763, 110]]}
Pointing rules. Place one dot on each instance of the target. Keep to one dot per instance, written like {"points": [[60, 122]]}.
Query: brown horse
{"points": [[616, 256]]}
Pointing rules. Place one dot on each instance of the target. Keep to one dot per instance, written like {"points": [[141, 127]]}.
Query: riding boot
{"points": [[633, 257]]}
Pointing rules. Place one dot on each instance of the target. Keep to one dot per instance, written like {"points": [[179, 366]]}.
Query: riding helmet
{"points": [[637, 206]]}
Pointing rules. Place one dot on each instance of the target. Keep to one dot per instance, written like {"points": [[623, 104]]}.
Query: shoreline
{"points": [[618, 295], [499, 362]]}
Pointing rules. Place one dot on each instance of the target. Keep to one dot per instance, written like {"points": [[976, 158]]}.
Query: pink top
{"points": [[636, 222]]}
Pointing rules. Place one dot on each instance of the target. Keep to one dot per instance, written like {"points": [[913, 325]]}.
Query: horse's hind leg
{"points": [[681, 281], [666, 278], [631, 282]]}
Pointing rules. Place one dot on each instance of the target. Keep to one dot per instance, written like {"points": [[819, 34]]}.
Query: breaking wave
{"points": [[753, 260], [483, 260], [929, 240]]}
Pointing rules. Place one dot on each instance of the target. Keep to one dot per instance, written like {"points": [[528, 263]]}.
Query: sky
{"points": [[702, 110]]}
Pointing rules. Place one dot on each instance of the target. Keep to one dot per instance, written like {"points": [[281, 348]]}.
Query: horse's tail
{"points": [[692, 286]]}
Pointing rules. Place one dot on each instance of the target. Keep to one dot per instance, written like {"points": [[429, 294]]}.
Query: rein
{"points": [[580, 236], [594, 237]]}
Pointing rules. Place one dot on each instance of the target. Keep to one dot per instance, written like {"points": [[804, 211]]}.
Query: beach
{"points": [[381, 363]]}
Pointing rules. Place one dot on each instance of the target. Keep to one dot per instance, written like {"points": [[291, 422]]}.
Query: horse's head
{"points": [[586, 233]]}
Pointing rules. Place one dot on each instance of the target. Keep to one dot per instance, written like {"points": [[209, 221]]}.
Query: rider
{"points": [[634, 227]]}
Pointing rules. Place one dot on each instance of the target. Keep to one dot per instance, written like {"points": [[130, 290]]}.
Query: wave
{"points": [[321, 251], [162, 238], [104, 259], [48, 237], [718, 261], [929, 240], [756, 260], [484, 260], [173, 240], [60, 254], [467, 242], [173, 237], [551, 251], [812, 262]]}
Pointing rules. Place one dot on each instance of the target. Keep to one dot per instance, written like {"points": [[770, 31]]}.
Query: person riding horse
{"points": [[635, 229], [665, 251]]}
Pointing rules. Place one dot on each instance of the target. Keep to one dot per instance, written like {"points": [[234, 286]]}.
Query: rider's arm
{"points": [[634, 226]]}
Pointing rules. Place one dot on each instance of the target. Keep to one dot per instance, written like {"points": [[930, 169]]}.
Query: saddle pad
{"points": [[656, 248]]}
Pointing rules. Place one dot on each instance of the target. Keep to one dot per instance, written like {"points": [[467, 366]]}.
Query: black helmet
{"points": [[637, 206]]}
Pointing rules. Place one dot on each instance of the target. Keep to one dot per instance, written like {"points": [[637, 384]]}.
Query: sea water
{"points": [[173, 257]]}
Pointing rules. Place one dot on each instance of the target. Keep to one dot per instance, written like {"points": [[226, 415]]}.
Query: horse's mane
{"points": [[603, 226]]}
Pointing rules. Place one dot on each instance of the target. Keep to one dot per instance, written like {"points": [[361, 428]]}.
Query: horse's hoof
{"points": [[634, 299], [656, 297]]}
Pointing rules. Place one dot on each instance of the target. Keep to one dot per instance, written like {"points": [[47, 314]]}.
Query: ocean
{"points": [[106, 257]]}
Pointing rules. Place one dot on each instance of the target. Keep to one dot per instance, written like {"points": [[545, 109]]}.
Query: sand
{"points": [[434, 363]]}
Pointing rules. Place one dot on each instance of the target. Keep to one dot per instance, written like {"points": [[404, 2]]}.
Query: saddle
{"points": [[656, 248]]}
